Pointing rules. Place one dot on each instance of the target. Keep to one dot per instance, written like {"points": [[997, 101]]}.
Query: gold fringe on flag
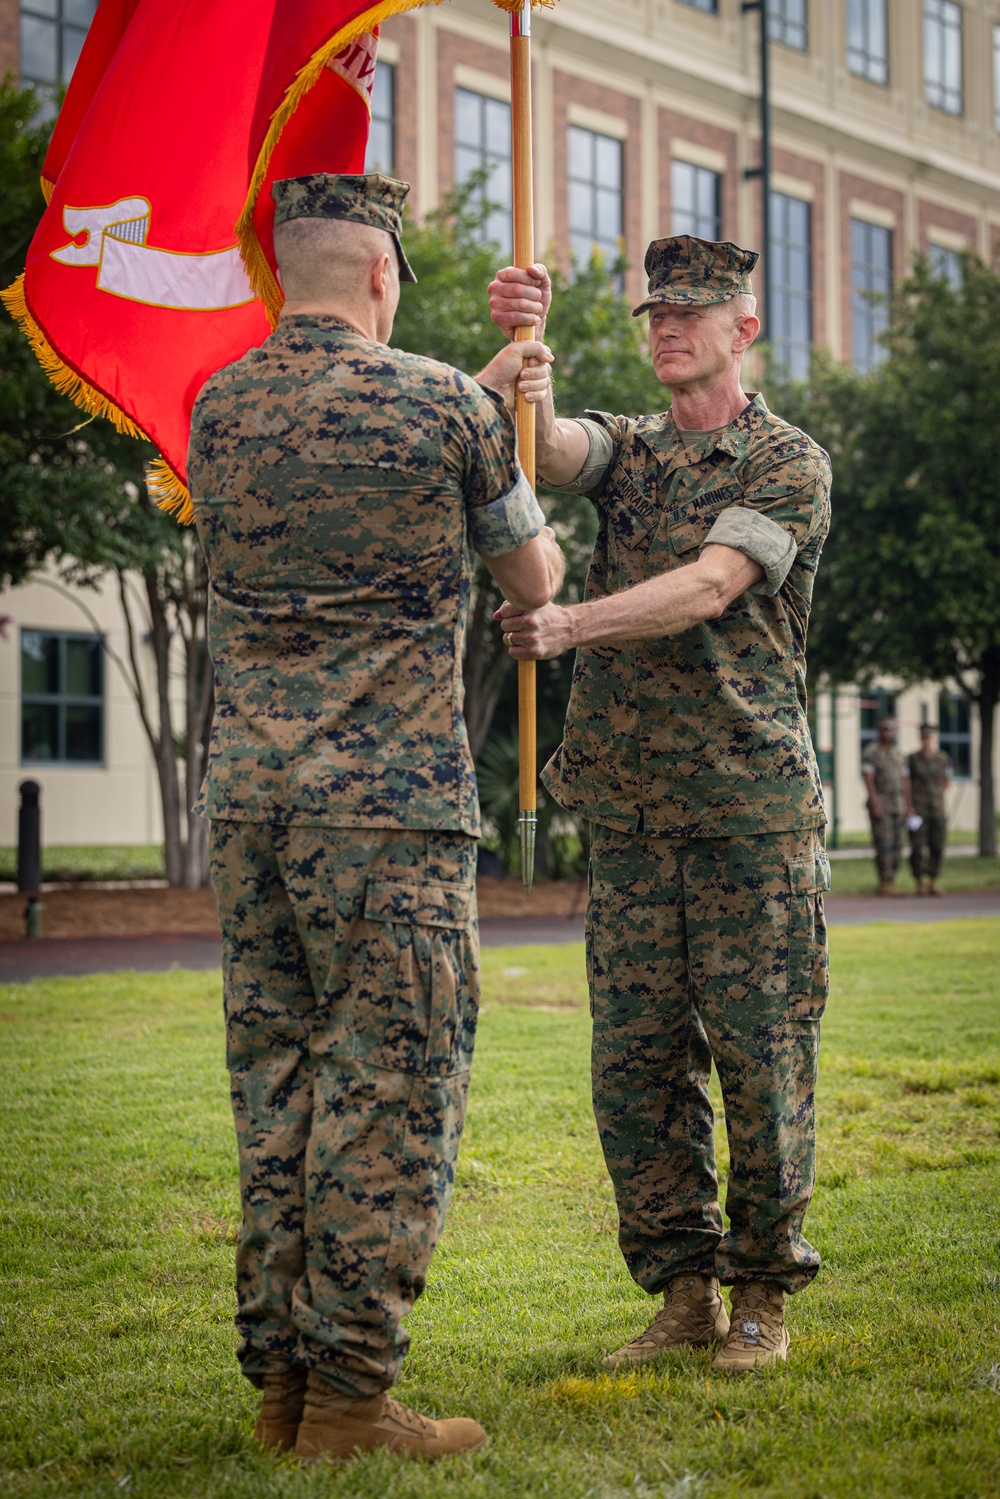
{"points": [[165, 489], [262, 278], [66, 380], [516, 5], [167, 492]]}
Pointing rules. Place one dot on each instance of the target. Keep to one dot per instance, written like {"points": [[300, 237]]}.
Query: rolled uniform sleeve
{"points": [[761, 539], [502, 512], [785, 514], [597, 465]]}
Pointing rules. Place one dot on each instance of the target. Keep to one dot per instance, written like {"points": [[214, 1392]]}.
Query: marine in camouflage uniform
{"points": [[691, 756], [887, 779], [341, 489], [930, 776]]}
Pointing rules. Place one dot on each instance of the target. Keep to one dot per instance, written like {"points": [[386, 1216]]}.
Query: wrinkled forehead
{"points": [[661, 311]]}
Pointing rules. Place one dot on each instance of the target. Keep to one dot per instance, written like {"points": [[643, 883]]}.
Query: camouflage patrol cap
{"points": [[695, 272], [368, 198]]}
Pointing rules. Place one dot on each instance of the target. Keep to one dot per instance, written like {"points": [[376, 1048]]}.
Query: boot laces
{"points": [[679, 1311], [754, 1306], [406, 1417]]}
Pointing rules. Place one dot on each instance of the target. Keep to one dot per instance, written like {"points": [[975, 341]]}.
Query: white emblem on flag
{"points": [[356, 65], [128, 267]]}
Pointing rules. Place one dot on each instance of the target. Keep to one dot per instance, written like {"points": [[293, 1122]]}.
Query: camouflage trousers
{"points": [[702, 949], [351, 975], [888, 836], [927, 847]]}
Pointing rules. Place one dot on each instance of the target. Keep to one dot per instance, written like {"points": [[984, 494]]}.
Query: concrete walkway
{"points": [[51, 957]]}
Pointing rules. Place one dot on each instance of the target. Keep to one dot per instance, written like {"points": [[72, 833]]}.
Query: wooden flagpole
{"points": [[524, 415]]}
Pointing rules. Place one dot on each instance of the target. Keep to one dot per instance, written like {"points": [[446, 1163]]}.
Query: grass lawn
{"points": [[119, 1207], [105, 861], [858, 877]]}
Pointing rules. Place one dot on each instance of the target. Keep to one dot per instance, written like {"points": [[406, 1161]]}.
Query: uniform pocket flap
{"points": [[425, 904], [809, 875], [687, 535]]}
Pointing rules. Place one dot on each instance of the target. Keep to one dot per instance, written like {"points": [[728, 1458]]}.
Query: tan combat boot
{"points": [[923, 885], [694, 1314], [757, 1332], [284, 1394], [335, 1427], [933, 888]]}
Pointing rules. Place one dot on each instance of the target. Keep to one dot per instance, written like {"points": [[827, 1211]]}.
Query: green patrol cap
{"points": [[368, 198], [695, 272]]}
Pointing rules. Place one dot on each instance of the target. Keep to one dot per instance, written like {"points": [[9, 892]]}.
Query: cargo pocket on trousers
{"points": [[808, 967], [426, 993]]}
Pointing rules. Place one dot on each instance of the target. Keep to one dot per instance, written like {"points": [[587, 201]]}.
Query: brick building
{"points": [[886, 141]]}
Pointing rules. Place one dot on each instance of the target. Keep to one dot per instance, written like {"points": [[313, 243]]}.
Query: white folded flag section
{"points": [[128, 267]]}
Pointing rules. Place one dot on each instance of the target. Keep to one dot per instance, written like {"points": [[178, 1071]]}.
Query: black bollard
{"points": [[29, 838]]}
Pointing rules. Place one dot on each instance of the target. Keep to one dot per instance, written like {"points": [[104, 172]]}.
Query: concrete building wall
{"points": [[118, 800]]}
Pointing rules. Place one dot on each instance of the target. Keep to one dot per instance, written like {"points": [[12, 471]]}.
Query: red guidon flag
{"points": [[153, 264]]}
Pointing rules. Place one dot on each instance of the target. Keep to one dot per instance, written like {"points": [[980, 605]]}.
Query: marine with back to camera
{"points": [[341, 488]]}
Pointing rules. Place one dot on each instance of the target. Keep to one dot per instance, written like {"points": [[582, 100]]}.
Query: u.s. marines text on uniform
{"points": [[341, 488], [687, 747]]}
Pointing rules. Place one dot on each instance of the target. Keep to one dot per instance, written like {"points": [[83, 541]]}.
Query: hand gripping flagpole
{"points": [[524, 415]]}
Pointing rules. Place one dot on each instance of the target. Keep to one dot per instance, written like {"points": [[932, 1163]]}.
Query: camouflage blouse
{"points": [[702, 734], [340, 488]]}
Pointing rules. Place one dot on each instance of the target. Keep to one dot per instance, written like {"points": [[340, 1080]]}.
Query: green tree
{"points": [[910, 581], [75, 498]]}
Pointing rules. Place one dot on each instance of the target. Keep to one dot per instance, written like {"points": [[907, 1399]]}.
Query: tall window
{"points": [[868, 40], [943, 55], [878, 704], [790, 316], [62, 698], [595, 194], [52, 33], [482, 144], [871, 280], [996, 77], [955, 732], [381, 153], [786, 22], [945, 263], [709, 5], [694, 200]]}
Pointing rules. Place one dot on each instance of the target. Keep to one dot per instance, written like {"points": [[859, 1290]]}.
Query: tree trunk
{"points": [[163, 742], [989, 693], [198, 705]]}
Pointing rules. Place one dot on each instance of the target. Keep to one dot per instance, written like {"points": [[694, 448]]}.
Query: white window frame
{"points": [[944, 84], [867, 40]]}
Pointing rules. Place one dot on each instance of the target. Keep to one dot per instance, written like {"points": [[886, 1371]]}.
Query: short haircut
{"points": [[323, 260]]}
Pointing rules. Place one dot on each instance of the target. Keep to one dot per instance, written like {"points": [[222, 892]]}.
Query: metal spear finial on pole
{"points": [[524, 415]]}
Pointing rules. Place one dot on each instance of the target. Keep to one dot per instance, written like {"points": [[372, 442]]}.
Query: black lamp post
{"points": [[763, 171]]}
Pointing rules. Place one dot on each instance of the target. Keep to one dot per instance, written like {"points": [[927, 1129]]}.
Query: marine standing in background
{"points": [[687, 747], [887, 781], [930, 778], [340, 489]]}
